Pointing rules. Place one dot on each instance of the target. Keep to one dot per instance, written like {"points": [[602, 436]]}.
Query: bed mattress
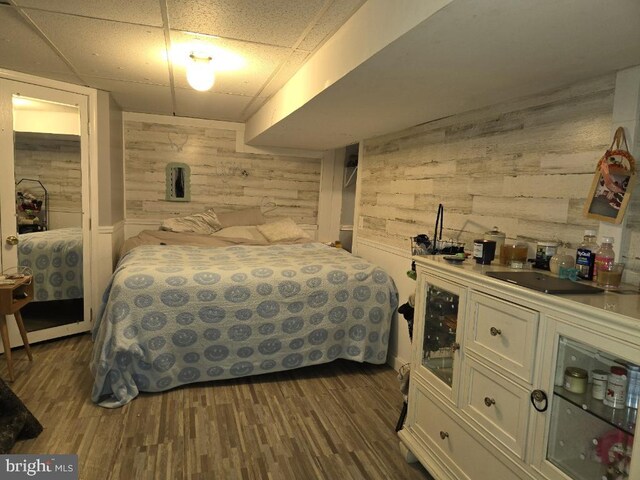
{"points": [[55, 258], [174, 315]]}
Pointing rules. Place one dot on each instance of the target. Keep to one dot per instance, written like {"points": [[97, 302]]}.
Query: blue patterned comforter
{"points": [[174, 315], [55, 258]]}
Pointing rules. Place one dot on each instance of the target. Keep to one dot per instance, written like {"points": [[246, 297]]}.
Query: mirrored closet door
{"points": [[44, 205]]}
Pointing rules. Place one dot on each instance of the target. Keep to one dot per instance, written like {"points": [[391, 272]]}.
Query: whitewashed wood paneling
{"points": [[525, 166], [55, 161], [221, 177]]}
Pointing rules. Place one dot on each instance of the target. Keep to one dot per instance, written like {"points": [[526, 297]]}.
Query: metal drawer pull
{"points": [[12, 240], [489, 401], [443, 435], [455, 346], [539, 400], [495, 331]]}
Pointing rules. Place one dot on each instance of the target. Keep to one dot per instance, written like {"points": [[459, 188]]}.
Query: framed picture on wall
{"points": [[612, 183]]}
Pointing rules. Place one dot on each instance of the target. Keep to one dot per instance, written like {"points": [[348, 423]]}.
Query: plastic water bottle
{"points": [[633, 387], [586, 255], [605, 256]]}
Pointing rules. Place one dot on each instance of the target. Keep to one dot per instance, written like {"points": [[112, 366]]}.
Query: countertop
{"points": [[622, 304]]}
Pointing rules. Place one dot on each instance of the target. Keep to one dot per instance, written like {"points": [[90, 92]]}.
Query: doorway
{"points": [[350, 177]]}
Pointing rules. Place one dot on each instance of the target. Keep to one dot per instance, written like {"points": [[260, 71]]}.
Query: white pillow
{"points": [[205, 222], [245, 216], [284, 230], [248, 232]]}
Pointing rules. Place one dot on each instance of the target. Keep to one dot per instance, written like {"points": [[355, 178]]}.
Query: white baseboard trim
{"points": [[111, 229], [401, 252], [397, 362]]}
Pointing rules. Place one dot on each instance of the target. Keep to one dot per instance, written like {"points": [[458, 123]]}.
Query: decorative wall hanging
{"points": [[613, 182], [178, 187]]}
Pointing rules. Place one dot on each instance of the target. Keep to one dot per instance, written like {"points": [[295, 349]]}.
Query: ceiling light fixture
{"points": [[200, 71]]}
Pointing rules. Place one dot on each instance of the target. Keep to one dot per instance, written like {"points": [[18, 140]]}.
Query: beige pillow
{"points": [[246, 216], [239, 231], [284, 230], [206, 222]]}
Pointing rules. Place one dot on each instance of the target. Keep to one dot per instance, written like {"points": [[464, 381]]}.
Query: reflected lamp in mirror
{"points": [[178, 182]]}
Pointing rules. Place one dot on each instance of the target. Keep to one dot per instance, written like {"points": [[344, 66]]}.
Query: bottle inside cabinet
{"points": [[592, 432], [441, 323]]}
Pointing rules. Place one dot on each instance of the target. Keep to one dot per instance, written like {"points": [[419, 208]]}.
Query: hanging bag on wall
{"points": [[613, 182]]}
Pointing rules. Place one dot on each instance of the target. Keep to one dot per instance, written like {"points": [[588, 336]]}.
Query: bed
{"points": [[55, 258], [175, 314]]}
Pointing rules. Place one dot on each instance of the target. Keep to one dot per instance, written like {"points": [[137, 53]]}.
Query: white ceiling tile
{"points": [[210, 105], [23, 50], [295, 61], [330, 22], [276, 22], [260, 61], [107, 49], [146, 12], [136, 97]]}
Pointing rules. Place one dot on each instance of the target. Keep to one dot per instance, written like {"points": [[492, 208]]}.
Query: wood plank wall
{"points": [[55, 161], [525, 166], [217, 178]]}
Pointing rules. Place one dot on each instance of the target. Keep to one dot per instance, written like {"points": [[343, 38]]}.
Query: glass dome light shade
{"points": [[200, 72]]}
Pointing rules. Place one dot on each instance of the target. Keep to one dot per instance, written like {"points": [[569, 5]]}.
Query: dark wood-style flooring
{"points": [[334, 421]]}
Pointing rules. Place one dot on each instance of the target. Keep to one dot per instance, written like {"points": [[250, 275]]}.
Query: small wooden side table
{"points": [[12, 298]]}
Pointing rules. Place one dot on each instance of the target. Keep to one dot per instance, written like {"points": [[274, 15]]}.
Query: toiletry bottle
{"points": [[586, 255], [605, 256]]}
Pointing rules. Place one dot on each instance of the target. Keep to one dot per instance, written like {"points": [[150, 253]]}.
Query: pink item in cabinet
{"points": [[614, 448]]}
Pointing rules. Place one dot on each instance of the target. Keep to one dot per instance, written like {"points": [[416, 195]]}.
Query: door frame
{"points": [[86, 98]]}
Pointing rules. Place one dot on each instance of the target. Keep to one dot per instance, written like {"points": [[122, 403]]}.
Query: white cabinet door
{"points": [[438, 336], [578, 436], [44, 205]]}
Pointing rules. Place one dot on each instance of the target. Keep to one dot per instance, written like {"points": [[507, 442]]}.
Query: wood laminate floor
{"points": [[333, 421]]}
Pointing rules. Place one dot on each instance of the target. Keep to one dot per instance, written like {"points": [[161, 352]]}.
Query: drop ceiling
{"points": [[462, 55], [125, 47]]}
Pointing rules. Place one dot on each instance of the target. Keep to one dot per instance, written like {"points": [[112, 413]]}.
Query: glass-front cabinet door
{"points": [[593, 409], [438, 344]]}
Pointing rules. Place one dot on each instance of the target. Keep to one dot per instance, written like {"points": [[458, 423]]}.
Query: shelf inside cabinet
{"points": [[623, 418]]}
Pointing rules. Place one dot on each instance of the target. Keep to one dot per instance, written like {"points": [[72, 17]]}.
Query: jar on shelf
{"points": [[615, 396], [599, 379], [497, 236], [575, 380]]}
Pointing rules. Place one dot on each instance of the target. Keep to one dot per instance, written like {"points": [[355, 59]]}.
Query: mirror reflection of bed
{"points": [[49, 217]]}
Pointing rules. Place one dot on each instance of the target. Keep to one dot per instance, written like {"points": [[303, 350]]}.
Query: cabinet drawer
{"points": [[503, 333], [498, 405], [462, 453]]}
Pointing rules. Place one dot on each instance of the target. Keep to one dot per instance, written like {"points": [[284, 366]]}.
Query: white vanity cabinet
{"points": [[486, 399]]}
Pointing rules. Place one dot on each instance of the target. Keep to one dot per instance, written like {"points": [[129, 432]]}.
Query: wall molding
{"points": [[401, 252], [395, 261], [111, 229]]}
